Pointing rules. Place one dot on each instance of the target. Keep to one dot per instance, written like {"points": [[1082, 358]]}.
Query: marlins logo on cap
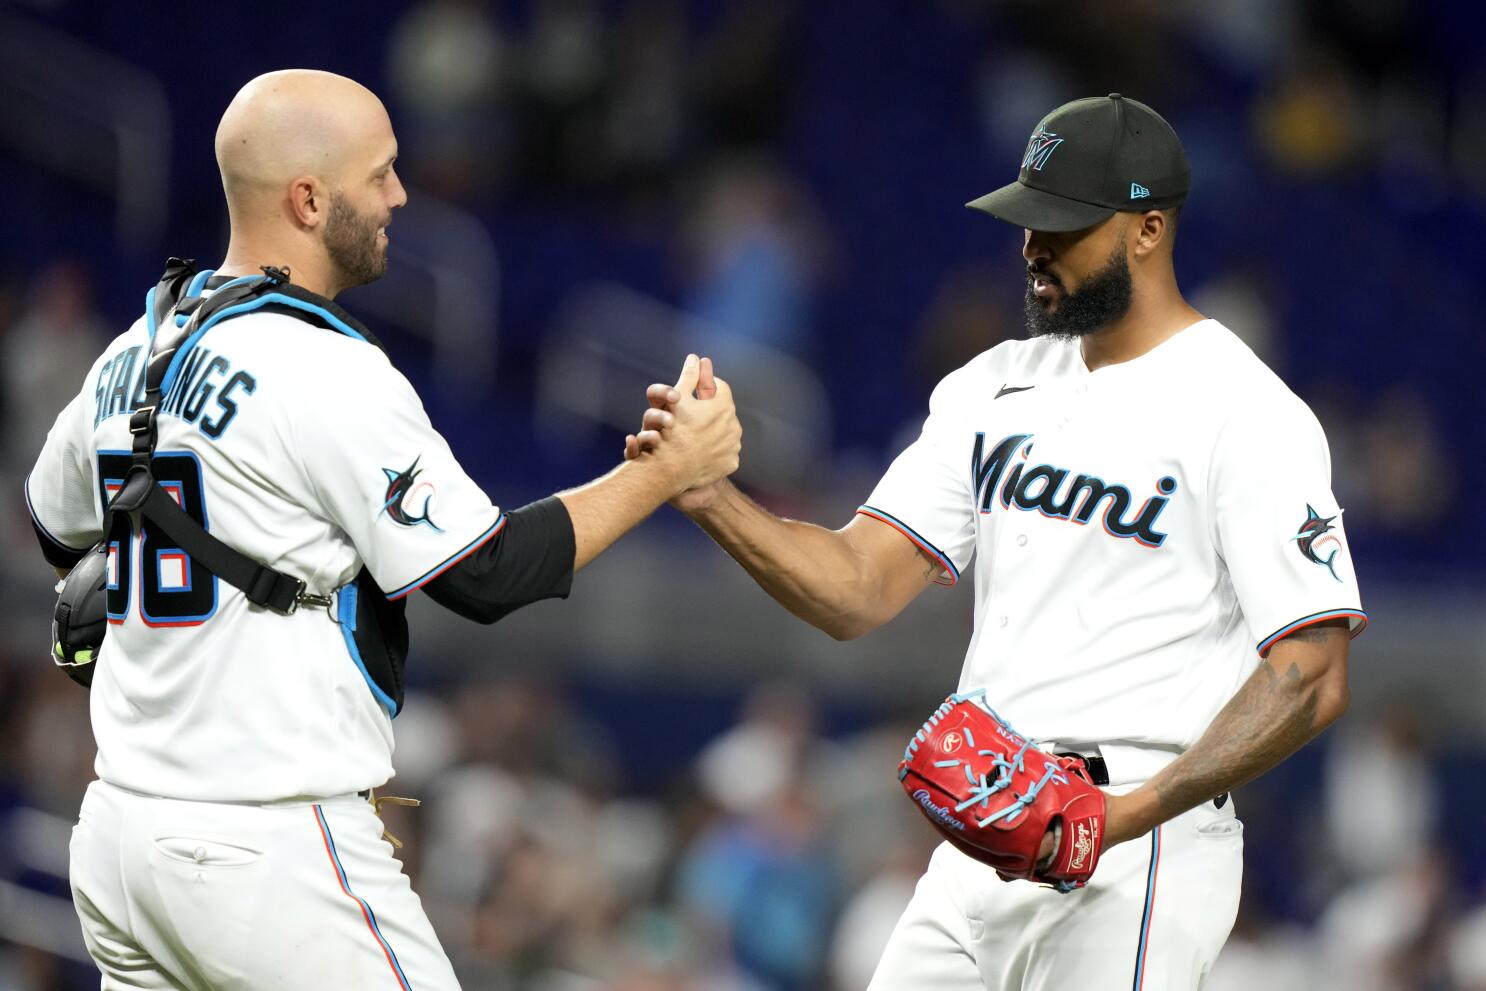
{"points": [[1121, 156], [1039, 149]]}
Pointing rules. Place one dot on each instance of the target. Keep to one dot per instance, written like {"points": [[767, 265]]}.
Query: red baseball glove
{"points": [[994, 795]]}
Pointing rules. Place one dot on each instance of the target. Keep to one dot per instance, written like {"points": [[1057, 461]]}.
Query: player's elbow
{"points": [[487, 614], [1333, 697], [470, 602], [853, 623], [847, 628], [1330, 695], [1316, 662]]}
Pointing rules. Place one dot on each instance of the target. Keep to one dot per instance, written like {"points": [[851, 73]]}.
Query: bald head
{"points": [[298, 122], [306, 159]]}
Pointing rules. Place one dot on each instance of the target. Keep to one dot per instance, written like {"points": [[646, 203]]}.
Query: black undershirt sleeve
{"points": [[530, 559]]}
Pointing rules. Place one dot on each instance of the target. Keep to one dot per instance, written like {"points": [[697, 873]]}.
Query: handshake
{"points": [[690, 432]]}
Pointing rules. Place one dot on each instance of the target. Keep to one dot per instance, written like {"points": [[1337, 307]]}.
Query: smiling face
{"points": [[361, 207], [1078, 282], [307, 165]]}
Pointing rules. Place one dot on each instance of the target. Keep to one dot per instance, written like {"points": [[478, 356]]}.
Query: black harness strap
{"points": [[139, 494], [321, 311], [261, 584]]}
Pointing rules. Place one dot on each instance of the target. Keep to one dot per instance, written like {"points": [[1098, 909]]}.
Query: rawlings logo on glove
{"points": [[994, 795]]}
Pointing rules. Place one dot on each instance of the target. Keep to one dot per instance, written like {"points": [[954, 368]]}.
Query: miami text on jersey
{"points": [[1042, 487], [121, 384]]}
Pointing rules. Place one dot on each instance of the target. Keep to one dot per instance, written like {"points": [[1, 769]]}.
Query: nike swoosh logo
{"points": [[1007, 390]]}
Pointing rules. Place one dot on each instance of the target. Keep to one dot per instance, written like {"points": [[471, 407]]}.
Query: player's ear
{"points": [[309, 202], [1151, 233]]}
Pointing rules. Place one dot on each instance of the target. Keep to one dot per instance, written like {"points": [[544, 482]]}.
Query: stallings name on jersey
{"points": [[203, 378], [1005, 475]]}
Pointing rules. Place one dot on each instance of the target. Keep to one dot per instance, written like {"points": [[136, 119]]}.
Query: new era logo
{"points": [[1138, 192]]}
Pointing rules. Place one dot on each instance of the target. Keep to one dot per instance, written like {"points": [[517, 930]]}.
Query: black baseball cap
{"points": [[1089, 159]]}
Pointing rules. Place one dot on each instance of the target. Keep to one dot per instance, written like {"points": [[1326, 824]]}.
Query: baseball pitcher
{"points": [[1163, 591]]}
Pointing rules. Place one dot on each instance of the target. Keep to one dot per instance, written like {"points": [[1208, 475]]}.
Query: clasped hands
{"points": [[691, 428]]}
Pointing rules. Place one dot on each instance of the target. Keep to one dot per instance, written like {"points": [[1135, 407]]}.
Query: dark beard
{"points": [[1100, 301], [351, 241]]}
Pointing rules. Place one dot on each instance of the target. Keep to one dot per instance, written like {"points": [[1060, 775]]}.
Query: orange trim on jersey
{"points": [[1150, 910], [449, 562], [1312, 620], [919, 542]]}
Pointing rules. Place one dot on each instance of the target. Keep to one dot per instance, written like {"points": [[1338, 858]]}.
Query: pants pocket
{"points": [[201, 851], [1220, 828]]}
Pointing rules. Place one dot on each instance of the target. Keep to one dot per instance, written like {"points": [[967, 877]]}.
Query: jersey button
{"points": [[1021, 540], [1001, 621]]}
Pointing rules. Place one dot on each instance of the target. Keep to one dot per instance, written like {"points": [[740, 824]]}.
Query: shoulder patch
{"points": [[407, 501], [1316, 535]]}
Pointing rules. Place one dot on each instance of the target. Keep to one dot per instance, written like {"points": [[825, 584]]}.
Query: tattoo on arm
{"points": [[1314, 634], [1273, 714]]}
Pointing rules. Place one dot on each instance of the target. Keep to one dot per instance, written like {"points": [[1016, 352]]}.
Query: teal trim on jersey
{"points": [[450, 561], [1145, 919], [883, 516], [251, 305], [366, 909], [346, 616], [1317, 617]]}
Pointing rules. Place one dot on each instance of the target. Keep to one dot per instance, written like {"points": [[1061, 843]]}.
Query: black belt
{"points": [[1098, 770], [1099, 773]]}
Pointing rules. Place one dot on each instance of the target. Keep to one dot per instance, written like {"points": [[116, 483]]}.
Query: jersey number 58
{"points": [[174, 591]]}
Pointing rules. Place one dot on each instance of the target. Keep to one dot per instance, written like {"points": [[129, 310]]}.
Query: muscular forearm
{"points": [[1291, 698], [813, 572], [609, 507]]}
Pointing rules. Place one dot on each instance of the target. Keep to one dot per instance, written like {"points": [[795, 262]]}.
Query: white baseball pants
{"points": [[209, 896], [1153, 918]]}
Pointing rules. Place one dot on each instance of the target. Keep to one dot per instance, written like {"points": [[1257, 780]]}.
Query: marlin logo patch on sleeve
{"points": [[401, 501], [1316, 534]]}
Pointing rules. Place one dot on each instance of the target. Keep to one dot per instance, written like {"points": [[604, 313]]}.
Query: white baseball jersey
{"points": [[1143, 532], [307, 451]]}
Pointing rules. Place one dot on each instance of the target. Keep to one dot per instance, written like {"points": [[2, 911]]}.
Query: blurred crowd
{"points": [[780, 187], [777, 183], [776, 857]]}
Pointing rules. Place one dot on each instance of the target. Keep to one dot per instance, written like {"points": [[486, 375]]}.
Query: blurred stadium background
{"points": [[665, 782]]}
